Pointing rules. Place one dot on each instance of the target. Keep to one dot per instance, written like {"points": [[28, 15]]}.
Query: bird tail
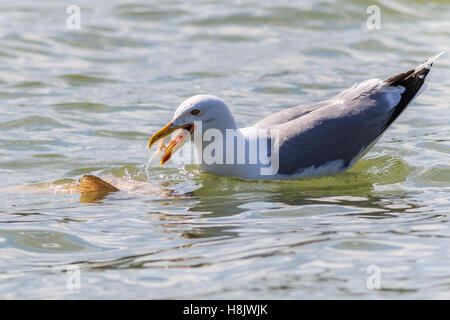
{"points": [[413, 81]]}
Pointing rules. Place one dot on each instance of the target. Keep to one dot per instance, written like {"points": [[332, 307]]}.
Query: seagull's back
{"points": [[328, 137]]}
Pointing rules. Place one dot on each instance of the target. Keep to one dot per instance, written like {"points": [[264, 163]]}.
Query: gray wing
{"points": [[290, 114], [343, 127]]}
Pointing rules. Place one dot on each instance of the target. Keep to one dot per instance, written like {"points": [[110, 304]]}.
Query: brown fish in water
{"points": [[93, 188], [90, 183]]}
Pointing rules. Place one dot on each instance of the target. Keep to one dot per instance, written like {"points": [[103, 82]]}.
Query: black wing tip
{"points": [[396, 79], [412, 81], [419, 72]]}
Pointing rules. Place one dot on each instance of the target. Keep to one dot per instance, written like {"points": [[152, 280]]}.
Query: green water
{"points": [[74, 102]]}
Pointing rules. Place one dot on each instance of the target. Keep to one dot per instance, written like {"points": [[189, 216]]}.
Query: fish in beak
{"points": [[175, 143]]}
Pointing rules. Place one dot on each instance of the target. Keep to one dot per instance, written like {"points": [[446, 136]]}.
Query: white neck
{"points": [[219, 149]]}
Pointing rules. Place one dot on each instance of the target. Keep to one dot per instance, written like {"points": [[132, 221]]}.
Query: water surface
{"points": [[77, 102]]}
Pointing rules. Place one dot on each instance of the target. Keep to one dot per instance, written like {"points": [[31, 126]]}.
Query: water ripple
{"points": [[78, 102]]}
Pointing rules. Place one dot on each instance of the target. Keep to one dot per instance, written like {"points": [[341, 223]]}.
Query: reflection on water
{"points": [[40, 241], [86, 102], [92, 197], [224, 197]]}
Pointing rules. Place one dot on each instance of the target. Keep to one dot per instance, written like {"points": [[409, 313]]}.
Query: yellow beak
{"points": [[175, 143], [165, 131]]}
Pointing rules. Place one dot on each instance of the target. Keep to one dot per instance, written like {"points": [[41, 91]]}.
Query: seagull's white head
{"points": [[207, 110], [211, 111]]}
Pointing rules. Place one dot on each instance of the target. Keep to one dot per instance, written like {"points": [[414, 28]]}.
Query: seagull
{"points": [[311, 140]]}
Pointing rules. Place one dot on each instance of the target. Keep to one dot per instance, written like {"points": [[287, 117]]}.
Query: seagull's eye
{"points": [[195, 112]]}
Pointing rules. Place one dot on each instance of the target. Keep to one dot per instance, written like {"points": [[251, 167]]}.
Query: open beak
{"points": [[164, 131], [175, 143]]}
